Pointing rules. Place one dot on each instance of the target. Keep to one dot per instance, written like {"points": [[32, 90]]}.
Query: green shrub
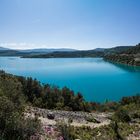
{"points": [[122, 116]]}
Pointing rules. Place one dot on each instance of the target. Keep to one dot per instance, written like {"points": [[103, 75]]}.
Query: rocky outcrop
{"points": [[75, 118]]}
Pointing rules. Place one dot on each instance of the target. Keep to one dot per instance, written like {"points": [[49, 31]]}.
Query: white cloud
{"points": [[24, 45]]}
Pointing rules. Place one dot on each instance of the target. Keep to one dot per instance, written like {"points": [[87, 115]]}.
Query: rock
{"points": [[50, 116]]}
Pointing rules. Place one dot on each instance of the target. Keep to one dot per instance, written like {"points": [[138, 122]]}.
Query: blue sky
{"points": [[80, 24]]}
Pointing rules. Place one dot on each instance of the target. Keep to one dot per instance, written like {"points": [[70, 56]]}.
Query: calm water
{"points": [[96, 79]]}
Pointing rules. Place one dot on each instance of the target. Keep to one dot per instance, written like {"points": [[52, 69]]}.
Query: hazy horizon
{"points": [[75, 24]]}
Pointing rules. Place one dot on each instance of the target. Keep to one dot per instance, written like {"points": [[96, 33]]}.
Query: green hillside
{"points": [[23, 92], [130, 56]]}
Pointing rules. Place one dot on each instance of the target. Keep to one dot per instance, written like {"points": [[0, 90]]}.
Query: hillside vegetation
{"points": [[63, 54], [16, 93], [13, 125], [130, 56]]}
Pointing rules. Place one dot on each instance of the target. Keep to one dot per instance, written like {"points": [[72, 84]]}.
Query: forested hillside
{"points": [[63, 54], [131, 56], [16, 93], [122, 54], [99, 52], [13, 125]]}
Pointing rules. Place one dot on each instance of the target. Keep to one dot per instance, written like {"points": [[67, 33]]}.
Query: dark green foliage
{"points": [[133, 50], [13, 125], [117, 50], [93, 120], [108, 106], [43, 96], [129, 56], [115, 128], [87, 133], [122, 115], [128, 100], [73, 54], [109, 54], [67, 132], [16, 92], [52, 97]]}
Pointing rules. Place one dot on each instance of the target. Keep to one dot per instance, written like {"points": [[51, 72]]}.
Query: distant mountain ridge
{"points": [[17, 52], [51, 50], [3, 48], [39, 49], [69, 53], [99, 49], [98, 52], [45, 50]]}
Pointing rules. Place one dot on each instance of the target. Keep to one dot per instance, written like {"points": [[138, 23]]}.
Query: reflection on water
{"points": [[95, 78], [126, 67]]}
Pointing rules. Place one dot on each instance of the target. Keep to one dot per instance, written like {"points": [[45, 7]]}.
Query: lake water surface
{"points": [[96, 79]]}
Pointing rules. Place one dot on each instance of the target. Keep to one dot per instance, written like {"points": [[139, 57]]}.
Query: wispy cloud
{"points": [[14, 45], [24, 45]]}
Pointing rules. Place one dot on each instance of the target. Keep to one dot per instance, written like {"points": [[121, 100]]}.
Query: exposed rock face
{"points": [[77, 118], [50, 118]]}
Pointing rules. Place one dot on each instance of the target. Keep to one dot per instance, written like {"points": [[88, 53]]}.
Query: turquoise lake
{"points": [[95, 78]]}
